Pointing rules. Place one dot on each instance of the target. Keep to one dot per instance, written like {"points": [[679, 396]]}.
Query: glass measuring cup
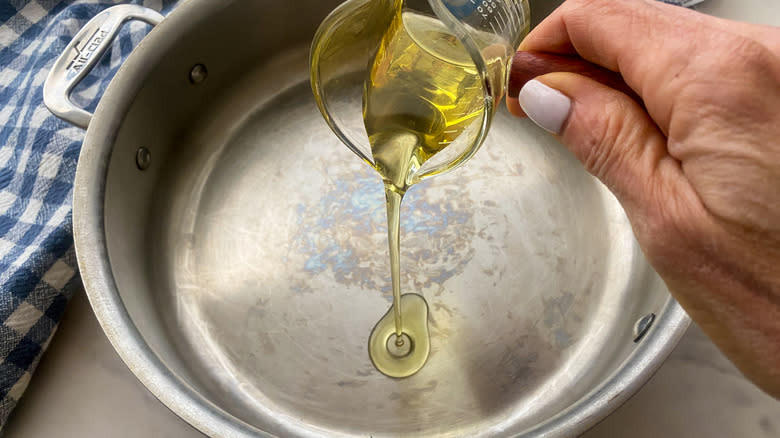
{"points": [[411, 86], [346, 45]]}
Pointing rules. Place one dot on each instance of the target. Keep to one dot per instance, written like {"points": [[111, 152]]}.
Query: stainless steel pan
{"points": [[234, 251]]}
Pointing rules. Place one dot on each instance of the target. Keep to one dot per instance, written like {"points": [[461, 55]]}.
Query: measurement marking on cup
{"points": [[513, 18], [501, 22], [502, 19]]}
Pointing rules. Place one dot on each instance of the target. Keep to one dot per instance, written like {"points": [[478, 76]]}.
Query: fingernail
{"points": [[546, 106]]}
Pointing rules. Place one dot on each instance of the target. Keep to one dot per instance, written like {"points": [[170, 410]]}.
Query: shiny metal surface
{"points": [[240, 275], [82, 54]]}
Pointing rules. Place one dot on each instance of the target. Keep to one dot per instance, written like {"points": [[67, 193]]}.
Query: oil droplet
{"points": [[401, 359]]}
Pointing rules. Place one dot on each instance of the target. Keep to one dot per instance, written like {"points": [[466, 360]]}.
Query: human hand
{"points": [[693, 156]]}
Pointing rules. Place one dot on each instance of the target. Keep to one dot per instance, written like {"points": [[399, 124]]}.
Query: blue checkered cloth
{"points": [[38, 154]]}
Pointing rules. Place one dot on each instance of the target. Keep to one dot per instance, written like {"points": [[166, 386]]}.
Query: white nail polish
{"points": [[546, 106]]}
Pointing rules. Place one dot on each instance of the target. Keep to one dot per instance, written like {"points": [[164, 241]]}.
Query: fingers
{"points": [[600, 30], [607, 32], [514, 107], [609, 132], [651, 45]]}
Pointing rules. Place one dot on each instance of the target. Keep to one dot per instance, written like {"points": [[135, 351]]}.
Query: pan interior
{"points": [[266, 261]]}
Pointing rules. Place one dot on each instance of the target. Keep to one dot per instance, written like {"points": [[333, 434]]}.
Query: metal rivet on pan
{"points": [[642, 325], [143, 158], [198, 74]]}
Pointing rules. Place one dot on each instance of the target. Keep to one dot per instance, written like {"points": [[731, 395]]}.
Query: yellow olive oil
{"points": [[422, 92]]}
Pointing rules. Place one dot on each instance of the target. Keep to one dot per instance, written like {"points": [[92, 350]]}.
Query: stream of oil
{"points": [[423, 92]]}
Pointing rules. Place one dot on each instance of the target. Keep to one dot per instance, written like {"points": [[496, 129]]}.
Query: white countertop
{"points": [[82, 389]]}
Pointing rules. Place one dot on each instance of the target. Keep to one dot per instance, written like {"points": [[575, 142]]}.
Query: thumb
{"points": [[609, 132]]}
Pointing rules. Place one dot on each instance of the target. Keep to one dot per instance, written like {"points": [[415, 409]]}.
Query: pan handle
{"points": [[82, 54]]}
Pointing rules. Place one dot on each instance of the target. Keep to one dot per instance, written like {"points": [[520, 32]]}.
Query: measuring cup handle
{"points": [[528, 65], [82, 54]]}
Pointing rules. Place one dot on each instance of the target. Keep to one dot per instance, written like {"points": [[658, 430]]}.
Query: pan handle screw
{"points": [[642, 325], [143, 158], [198, 74]]}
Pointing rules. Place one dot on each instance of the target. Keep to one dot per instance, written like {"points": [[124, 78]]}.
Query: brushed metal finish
{"points": [[240, 275]]}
